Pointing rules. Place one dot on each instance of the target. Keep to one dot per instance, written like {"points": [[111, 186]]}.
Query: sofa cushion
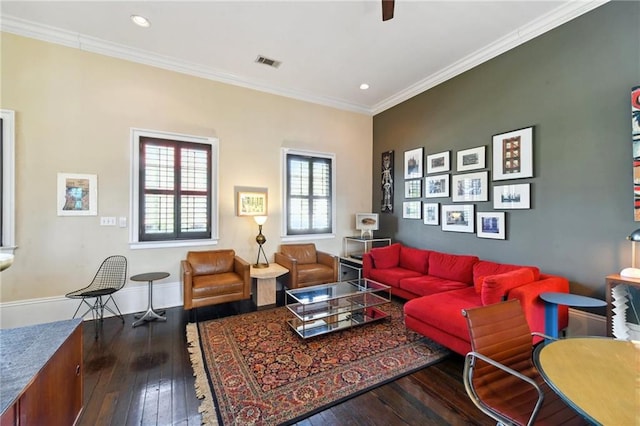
{"points": [[303, 253], [444, 310], [392, 276], [427, 284], [386, 257], [452, 267], [216, 285], [485, 268], [494, 287], [211, 261], [414, 259]]}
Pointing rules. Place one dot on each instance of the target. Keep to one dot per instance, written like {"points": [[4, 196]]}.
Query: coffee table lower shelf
{"points": [[340, 321]]}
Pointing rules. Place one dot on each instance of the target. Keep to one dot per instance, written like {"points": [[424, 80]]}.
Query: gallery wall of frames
{"points": [[442, 188]]}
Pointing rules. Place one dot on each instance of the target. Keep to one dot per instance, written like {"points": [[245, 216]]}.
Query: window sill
{"points": [[141, 245], [307, 237]]}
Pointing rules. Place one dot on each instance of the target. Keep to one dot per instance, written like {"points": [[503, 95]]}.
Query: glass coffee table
{"points": [[326, 308]]}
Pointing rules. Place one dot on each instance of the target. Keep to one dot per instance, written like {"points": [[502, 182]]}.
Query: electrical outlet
{"points": [[107, 221], [122, 221]]}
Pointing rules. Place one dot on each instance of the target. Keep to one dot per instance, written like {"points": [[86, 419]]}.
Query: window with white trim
{"points": [[7, 181], [309, 188], [174, 189]]}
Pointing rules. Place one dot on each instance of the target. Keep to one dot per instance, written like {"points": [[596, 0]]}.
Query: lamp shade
{"points": [[260, 220], [635, 235]]}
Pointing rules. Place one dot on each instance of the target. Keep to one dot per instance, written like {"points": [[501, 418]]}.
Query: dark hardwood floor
{"points": [[143, 376]]}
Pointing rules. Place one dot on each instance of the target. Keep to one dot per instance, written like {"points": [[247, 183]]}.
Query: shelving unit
{"points": [[350, 265]]}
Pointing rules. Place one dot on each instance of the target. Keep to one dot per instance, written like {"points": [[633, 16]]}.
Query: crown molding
{"points": [[553, 19], [21, 27]]}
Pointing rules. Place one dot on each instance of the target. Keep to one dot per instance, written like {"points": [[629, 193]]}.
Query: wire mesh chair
{"points": [[111, 277]]}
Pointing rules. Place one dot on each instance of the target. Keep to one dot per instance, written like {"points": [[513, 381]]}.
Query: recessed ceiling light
{"points": [[140, 21], [364, 86]]}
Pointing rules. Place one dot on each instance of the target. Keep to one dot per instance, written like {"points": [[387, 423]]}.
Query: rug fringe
{"points": [[203, 390]]}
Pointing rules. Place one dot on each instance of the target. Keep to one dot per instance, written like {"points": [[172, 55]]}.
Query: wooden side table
{"points": [[265, 293], [611, 282]]}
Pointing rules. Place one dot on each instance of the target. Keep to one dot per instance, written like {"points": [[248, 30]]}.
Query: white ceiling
{"points": [[327, 48]]}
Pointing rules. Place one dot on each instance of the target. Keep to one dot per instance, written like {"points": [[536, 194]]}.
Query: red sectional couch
{"points": [[438, 286]]}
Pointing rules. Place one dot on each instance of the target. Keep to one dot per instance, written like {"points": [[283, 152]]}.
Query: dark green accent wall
{"points": [[573, 85]]}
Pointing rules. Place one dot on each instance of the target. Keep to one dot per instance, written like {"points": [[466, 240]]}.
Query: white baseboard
{"points": [[47, 309], [167, 295], [583, 323]]}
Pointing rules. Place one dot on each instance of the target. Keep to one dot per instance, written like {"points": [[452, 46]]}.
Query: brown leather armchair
{"points": [[214, 276], [306, 265]]}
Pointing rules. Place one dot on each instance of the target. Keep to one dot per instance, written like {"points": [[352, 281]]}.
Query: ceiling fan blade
{"points": [[387, 9]]}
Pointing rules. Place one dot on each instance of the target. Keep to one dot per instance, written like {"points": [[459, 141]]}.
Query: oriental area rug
{"points": [[260, 372]]}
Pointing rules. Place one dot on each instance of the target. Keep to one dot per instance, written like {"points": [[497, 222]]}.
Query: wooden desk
{"points": [[598, 377]]}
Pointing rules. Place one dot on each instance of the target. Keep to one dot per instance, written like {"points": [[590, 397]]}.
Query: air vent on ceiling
{"points": [[270, 62]]}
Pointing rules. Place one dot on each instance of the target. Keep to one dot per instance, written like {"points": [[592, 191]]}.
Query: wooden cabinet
{"points": [[54, 394], [621, 304]]}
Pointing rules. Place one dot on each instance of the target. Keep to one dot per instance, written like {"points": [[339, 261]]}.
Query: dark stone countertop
{"points": [[24, 351]]}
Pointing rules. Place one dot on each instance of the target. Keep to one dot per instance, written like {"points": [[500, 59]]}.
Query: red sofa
{"points": [[438, 286]]}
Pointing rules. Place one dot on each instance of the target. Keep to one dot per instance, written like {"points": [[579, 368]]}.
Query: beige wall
{"points": [[74, 111]]}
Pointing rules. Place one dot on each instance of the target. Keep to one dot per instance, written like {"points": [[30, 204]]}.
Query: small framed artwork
{"points": [[431, 213], [471, 187], [413, 188], [491, 225], [471, 159], [436, 186], [458, 218], [413, 163], [252, 203], [513, 154], [77, 194], [438, 163], [411, 209], [512, 196], [386, 184]]}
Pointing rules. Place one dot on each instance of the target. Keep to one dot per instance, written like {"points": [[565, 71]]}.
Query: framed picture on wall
{"points": [[411, 209], [458, 218], [436, 186], [386, 185], [491, 225], [471, 187], [513, 154], [252, 203], [413, 188], [77, 194], [471, 159], [512, 196], [431, 213], [413, 163], [438, 163]]}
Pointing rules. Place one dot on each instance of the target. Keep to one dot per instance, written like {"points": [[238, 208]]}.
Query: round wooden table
{"points": [[598, 377], [150, 314]]}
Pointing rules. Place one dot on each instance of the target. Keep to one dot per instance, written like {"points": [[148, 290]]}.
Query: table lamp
{"points": [[632, 272], [260, 239]]}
